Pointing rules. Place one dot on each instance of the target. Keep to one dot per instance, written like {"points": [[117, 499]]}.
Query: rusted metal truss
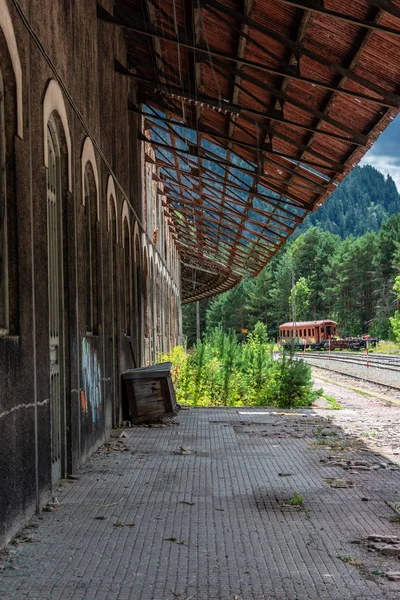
{"points": [[254, 112]]}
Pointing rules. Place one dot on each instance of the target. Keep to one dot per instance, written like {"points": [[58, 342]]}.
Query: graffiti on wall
{"points": [[91, 404]]}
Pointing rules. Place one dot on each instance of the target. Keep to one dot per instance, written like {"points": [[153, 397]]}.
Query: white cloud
{"points": [[388, 165]]}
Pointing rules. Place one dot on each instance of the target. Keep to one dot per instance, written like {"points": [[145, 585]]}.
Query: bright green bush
{"points": [[292, 383], [395, 321], [222, 371]]}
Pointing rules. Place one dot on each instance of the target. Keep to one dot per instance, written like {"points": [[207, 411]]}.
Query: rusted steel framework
{"points": [[256, 110]]}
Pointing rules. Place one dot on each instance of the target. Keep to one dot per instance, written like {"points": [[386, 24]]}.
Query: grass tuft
{"points": [[296, 500], [386, 347], [333, 404], [351, 560]]}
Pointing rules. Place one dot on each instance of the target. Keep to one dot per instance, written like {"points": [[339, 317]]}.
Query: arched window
{"points": [[113, 289], [8, 206], [167, 315], [113, 239], [152, 313], [137, 300], [90, 251], [158, 310], [3, 220], [146, 309], [55, 200], [172, 313], [148, 197], [57, 160], [127, 281], [164, 312]]}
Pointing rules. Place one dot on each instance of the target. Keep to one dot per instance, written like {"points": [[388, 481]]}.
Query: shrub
{"points": [[395, 321], [292, 385], [222, 371]]}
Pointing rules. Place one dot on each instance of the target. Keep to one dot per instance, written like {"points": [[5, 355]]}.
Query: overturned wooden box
{"points": [[150, 393]]}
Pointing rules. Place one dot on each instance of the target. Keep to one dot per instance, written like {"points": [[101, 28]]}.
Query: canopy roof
{"points": [[256, 110]]}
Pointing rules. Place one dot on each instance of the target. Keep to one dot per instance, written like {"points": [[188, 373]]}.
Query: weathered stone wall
{"points": [[57, 62]]}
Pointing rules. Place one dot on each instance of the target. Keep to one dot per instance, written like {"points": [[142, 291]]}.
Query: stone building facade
{"points": [[89, 268]]}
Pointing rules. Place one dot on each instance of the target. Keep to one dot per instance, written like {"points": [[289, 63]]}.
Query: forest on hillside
{"points": [[343, 267], [363, 202]]}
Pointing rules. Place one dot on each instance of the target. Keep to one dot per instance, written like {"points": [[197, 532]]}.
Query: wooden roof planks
{"points": [[273, 101]]}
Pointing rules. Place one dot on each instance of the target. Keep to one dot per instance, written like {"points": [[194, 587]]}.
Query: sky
{"points": [[384, 155]]}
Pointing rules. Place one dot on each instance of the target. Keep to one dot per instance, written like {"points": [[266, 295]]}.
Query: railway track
{"points": [[379, 361], [383, 369]]}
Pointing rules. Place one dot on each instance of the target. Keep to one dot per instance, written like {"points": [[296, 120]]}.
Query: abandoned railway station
{"points": [[153, 153]]}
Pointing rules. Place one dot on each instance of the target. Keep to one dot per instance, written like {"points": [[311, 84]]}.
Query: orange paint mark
{"points": [[83, 402]]}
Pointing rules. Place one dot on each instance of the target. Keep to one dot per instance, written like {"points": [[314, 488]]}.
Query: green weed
{"points": [[395, 519], [351, 560], [333, 404], [335, 444], [296, 500]]}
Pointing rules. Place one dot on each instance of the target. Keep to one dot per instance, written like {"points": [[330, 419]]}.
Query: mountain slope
{"points": [[362, 203]]}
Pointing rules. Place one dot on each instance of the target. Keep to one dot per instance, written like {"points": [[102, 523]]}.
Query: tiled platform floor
{"points": [[144, 523]]}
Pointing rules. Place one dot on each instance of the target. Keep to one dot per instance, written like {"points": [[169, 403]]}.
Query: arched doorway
{"points": [[113, 286], [56, 291]]}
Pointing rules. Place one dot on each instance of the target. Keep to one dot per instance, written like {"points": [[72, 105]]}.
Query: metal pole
{"points": [[198, 336]]}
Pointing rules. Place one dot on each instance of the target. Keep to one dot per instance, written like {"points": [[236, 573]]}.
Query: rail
{"points": [[377, 361], [380, 369]]}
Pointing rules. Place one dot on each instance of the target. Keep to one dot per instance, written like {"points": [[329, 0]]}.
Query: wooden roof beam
{"points": [[241, 241], [234, 198], [241, 48], [387, 6], [353, 62], [241, 257], [187, 251], [268, 199], [267, 215], [294, 100], [212, 231], [193, 33], [293, 59], [214, 104], [280, 220], [302, 49], [159, 66], [228, 203], [267, 226], [269, 115], [256, 195], [207, 131], [319, 8], [260, 180], [276, 164], [261, 235], [140, 28], [223, 252], [297, 200], [232, 186]]}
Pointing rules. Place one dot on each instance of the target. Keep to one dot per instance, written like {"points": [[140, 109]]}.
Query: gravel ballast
{"points": [[377, 375]]}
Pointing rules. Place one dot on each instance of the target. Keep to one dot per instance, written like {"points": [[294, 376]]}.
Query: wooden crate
{"points": [[150, 393]]}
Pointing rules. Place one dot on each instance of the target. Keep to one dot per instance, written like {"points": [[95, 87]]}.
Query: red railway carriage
{"points": [[311, 332]]}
